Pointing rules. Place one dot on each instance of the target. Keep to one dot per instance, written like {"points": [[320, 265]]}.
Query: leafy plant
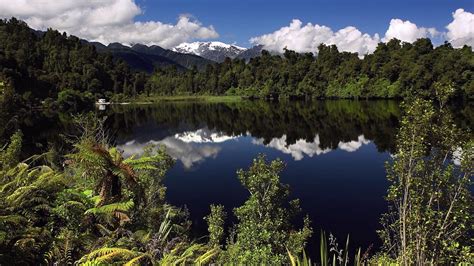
{"points": [[215, 221], [264, 231], [429, 197]]}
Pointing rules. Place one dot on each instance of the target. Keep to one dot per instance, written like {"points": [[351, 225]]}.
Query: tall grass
{"points": [[329, 253]]}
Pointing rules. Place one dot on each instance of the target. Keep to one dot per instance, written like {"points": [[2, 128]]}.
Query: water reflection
{"points": [[297, 150], [192, 147], [187, 153], [204, 135], [191, 131], [188, 147], [326, 125], [302, 147]]}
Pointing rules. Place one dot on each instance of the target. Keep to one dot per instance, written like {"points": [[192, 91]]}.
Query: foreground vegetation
{"points": [[98, 207]]}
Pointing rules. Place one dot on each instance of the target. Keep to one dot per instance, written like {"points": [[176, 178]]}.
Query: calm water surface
{"points": [[334, 150], [335, 153]]}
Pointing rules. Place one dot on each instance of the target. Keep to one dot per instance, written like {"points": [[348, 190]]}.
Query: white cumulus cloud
{"points": [[307, 38], [105, 21], [407, 31], [461, 29]]}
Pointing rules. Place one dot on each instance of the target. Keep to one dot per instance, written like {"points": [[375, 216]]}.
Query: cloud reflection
{"points": [[354, 144], [302, 147], [190, 147], [193, 147], [297, 150]]}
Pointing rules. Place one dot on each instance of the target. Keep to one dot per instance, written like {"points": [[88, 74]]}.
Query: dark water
{"points": [[334, 150], [335, 153]]}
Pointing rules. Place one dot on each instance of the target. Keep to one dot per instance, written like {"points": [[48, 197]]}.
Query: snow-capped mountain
{"points": [[216, 51]]}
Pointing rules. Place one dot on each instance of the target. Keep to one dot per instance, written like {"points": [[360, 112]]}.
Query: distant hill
{"points": [[251, 53]]}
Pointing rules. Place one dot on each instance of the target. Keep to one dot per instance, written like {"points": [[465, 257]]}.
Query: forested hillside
{"points": [[53, 67], [395, 69]]}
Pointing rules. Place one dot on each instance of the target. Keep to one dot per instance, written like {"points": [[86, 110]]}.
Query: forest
{"points": [[394, 70], [42, 68], [48, 69]]}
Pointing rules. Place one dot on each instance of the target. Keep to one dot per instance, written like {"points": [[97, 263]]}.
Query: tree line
{"points": [[395, 70]]}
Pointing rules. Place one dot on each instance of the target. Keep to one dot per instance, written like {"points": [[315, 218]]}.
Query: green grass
{"points": [[190, 98]]}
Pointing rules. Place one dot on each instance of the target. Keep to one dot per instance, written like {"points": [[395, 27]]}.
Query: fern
{"points": [[61, 253], [111, 208], [136, 260], [106, 213], [105, 255], [13, 219]]}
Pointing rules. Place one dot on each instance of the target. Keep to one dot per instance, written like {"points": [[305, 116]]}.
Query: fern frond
{"points": [[73, 204], [19, 192], [103, 230], [104, 255], [106, 251], [136, 260], [111, 208], [143, 162], [13, 219]]}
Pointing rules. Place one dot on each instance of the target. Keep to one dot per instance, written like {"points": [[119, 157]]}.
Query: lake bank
{"points": [[190, 98]]}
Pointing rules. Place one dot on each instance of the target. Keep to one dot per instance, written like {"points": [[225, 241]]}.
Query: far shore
{"points": [[199, 98]]}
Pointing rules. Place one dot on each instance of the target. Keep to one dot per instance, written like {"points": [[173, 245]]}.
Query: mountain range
{"points": [[215, 51], [184, 56]]}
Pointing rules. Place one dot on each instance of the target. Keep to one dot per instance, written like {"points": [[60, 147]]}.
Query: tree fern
{"points": [[118, 210], [111, 208]]}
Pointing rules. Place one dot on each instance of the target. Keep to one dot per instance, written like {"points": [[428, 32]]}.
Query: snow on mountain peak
{"points": [[216, 51]]}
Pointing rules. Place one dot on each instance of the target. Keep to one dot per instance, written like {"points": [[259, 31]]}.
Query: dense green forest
{"points": [[46, 67], [52, 69], [394, 70]]}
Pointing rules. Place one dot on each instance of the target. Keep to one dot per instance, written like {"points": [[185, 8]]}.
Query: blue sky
{"points": [[238, 21], [300, 25]]}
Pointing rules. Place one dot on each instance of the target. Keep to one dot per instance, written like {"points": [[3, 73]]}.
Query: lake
{"points": [[335, 153]]}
